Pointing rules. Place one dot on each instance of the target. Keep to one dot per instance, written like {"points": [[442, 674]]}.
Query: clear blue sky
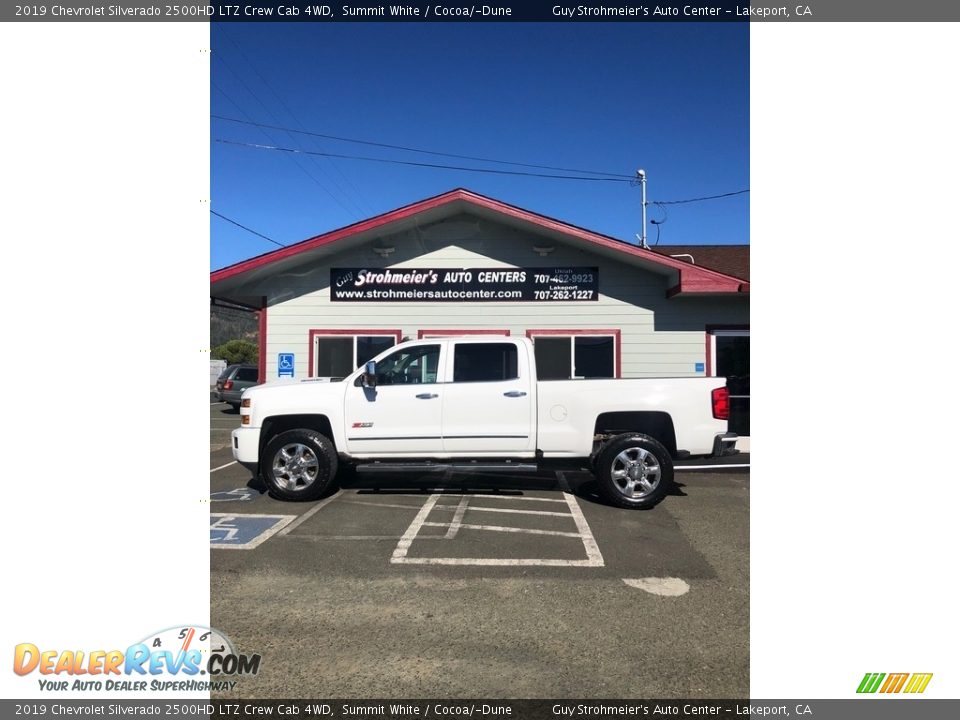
{"points": [[671, 98]]}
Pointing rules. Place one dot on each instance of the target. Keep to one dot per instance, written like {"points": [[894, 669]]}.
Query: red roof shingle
{"points": [[729, 259]]}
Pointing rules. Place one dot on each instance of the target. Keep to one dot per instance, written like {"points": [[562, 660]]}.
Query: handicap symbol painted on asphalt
{"points": [[241, 494], [245, 532]]}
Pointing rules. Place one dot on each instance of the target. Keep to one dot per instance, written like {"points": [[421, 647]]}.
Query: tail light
{"points": [[228, 385], [721, 403]]}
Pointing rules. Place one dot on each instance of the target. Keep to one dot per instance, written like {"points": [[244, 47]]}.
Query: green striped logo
{"points": [[895, 683], [871, 682]]}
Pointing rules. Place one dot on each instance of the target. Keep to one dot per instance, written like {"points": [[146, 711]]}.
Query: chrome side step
{"points": [[443, 467]]}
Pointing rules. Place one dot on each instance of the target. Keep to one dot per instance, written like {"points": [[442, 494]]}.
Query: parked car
{"points": [[233, 381], [475, 404]]}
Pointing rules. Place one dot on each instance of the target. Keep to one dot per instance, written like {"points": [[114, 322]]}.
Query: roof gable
{"points": [[690, 279]]}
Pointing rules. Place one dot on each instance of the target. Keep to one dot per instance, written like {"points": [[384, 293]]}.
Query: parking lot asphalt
{"points": [[413, 586]]}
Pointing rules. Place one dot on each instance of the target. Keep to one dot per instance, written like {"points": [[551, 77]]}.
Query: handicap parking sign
{"points": [[285, 364], [244, 532]]}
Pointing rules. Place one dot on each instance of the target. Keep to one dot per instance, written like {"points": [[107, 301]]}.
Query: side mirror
{"points": [[370, 374]]}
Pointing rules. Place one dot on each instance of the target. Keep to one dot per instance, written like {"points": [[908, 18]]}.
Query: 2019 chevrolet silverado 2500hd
{"points": [[475, 403]]}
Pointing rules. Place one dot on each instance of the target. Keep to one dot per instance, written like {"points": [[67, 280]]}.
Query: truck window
{"points": [[484, 362], [409, 366]]}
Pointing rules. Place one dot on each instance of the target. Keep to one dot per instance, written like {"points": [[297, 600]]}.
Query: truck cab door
{"points": [[401, 415], [488, 401]]}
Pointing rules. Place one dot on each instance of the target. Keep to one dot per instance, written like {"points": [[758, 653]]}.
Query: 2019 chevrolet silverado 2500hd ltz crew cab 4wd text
{"points": [[474, 403]]}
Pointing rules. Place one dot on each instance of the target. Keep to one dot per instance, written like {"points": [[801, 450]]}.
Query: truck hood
{"points": [[305, 396]]}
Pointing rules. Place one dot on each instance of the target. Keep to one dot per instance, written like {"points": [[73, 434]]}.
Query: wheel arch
{"points": [[274, 425], [656, 424]]}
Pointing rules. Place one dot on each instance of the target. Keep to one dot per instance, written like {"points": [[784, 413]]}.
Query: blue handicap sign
{"points": [[698, 367], [285, 364], [244, 532]]}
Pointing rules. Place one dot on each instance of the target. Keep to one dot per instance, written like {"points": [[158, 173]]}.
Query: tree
{"points": [[236, 351]]}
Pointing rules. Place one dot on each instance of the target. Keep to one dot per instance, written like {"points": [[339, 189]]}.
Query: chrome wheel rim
{"points": [[635, 473], [295, 467]]}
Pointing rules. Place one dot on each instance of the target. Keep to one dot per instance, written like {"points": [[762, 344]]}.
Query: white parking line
{"points": [[224, 466], [517, 497], [381, 505], [456, 508], [593, 559], [321, 538], [501, 528], [708, 467], [310, 513], [457, 518], [507, 510], [400, 552], [589, 541]]}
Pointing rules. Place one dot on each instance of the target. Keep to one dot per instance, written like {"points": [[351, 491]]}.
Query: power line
{"points": [[419, 164], [698, 199], [360, 205], [244, 227], [357, 212], [420, 150]]}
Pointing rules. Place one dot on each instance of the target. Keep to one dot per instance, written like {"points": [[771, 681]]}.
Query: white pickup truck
{"points": [[475, 404]]}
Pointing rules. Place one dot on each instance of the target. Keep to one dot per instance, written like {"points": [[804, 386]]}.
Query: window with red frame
{"points": [[563, 357]]}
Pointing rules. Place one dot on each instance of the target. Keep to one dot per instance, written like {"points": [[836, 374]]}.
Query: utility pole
{"points": [[642, 175]]}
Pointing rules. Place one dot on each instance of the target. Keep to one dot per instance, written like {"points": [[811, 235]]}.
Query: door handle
{"points": [[515, 393], [427, 396]]}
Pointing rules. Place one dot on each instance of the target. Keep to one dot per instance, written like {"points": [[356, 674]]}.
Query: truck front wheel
{"points": [[299, 465], [634, 471]]}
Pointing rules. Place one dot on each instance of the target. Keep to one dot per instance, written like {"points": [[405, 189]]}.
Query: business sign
{"points": [[542, 284]]}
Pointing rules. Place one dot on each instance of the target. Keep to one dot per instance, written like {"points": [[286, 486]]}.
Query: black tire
{"points": [[307, 479], [235, 406], [646, 467]]}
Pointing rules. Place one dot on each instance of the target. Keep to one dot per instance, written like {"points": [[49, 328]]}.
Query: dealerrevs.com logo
{"points": [[182, 659], [894, 683]]}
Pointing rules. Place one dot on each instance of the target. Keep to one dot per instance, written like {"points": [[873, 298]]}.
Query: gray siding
{"points": [[659, 336]]}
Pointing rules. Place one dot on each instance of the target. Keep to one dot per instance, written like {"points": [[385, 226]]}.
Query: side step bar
{"points": [[443, 467]]}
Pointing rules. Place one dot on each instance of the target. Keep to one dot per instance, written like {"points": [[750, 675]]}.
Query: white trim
{"points": [[713, 335]]}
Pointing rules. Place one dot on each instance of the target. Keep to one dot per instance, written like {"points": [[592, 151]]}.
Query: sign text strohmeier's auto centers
{"points": [[464, 285]]}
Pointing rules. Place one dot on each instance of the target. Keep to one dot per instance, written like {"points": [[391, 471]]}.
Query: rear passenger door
{"points": [[487, 400]]}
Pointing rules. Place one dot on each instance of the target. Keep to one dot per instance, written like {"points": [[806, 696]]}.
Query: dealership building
{"points": [[462, 263]]}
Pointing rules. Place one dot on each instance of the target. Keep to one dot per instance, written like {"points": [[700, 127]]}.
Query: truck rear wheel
{"points": [[634, 471], [299, 465]]}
